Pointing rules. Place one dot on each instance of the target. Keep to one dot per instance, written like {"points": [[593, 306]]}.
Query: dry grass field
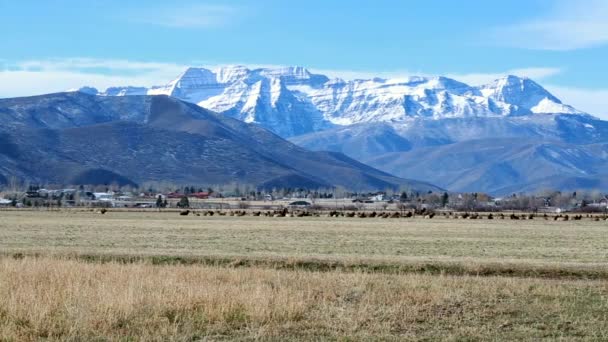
{"points": [[77, 275]]}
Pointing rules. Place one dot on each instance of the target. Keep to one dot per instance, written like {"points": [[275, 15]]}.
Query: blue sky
{"points": [[56, 45]]}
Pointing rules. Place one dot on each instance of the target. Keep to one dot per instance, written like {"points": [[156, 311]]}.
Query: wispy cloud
{"points": [[569, 25], [193, 16], [593, 101], [95, 65], [32, 77]]}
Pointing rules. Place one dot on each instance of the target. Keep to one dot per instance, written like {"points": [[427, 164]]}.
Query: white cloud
{"points": [[32, 77], [26, 83], [592, 101], [193, 16], [569, 25], [94, 65]]}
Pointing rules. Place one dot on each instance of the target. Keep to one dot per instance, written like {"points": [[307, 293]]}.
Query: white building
{"points": [[103, 196]]}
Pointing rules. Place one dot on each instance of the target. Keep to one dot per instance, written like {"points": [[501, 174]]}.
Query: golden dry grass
{"points": [[151, 276], [62, 299]]}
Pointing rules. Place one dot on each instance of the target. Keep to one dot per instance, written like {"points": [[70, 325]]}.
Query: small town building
{"points": [[102, 196]]}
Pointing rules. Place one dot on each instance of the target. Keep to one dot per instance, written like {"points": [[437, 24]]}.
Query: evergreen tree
{"points": [[444, 199], [159, 201], [183, 203]]}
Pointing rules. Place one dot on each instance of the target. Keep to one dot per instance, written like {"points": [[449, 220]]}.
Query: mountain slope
{"points": [[421, 133], [75, 137], [502, 166]]}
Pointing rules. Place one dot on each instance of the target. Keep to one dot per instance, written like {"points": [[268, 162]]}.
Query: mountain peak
{"points": [[515, 78], [526, 94], [294, 75], [299, 92], [231, 73], [294, 71], [523, 82], [196, 75]]}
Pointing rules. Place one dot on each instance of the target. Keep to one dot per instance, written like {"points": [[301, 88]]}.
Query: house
{"points": [[379, 197], [32, 194], [200, 195], [103, 196]]}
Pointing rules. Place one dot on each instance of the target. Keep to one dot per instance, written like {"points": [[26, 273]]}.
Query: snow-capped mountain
{"points": [[292, 100], [461, 137]]}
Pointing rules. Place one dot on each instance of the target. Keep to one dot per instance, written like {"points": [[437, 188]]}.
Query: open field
{"points": [[79, 275], [572, 244]]}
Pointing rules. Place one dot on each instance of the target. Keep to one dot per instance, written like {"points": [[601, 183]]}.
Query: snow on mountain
{"points": [[526, 94], [231, 74], [293, 100], [269, 103], [294, 76], [505, 136]]}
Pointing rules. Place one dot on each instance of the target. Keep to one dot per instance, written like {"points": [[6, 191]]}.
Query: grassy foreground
{"points": [[149, 276], [62, 299]]}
